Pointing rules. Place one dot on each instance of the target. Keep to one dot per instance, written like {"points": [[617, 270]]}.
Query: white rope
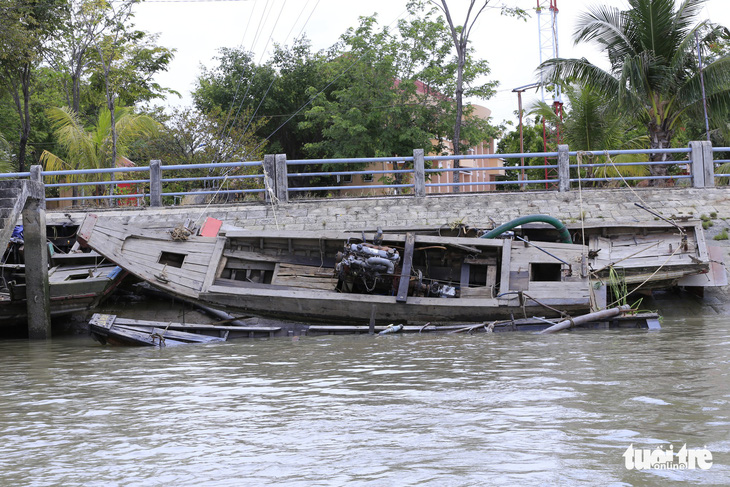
{"points": [[272, 195], [647, 279], [608, 158], [225, 178]]}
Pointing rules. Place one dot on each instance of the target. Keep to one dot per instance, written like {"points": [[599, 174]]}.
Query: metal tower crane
{"points": [[547, 19]]}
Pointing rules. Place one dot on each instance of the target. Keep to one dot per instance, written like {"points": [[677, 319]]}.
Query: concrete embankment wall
{"points": [[476, 210]]}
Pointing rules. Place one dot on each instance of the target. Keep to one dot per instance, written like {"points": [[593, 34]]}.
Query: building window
{"points": [[347, 178], [368, 178]]}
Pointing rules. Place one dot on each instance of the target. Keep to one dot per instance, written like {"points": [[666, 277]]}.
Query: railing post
{"points": [[563, 168], [419, 173], [155, 184], [36, 174], [708, 165], [281, 178], [698, 164]]}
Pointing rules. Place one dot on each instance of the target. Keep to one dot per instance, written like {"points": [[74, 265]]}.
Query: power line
{"points": [[273, 79]]}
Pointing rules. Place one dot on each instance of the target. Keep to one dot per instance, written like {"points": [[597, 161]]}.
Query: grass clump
{"points": [[721, 236]]}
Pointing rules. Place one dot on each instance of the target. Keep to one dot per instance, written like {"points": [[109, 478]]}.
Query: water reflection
{"points": [[501, 409]]}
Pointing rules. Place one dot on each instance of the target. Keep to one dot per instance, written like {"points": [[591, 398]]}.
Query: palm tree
{"points": [[654, 73], [92, 148]]}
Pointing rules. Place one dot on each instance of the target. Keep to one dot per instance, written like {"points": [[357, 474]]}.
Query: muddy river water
{"points": [[426, 410]]}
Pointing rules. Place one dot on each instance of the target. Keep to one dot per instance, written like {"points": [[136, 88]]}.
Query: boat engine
{"points": [[366, 268]]}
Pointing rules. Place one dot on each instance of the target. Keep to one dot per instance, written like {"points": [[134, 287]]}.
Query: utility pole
{"points": [[519, 90]]}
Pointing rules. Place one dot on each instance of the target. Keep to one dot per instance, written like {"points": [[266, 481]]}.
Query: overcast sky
{"points": [[197, 28]]}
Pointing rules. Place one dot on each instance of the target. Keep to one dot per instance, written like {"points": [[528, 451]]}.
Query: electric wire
{"points": [[253, 116]]}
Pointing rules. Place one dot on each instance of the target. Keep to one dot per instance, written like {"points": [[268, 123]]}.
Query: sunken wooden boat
{"points": [[110, 330], [73, 288], [350, 278]]}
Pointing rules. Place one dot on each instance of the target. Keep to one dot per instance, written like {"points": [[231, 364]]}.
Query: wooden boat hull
{"points": [[293, 275]]}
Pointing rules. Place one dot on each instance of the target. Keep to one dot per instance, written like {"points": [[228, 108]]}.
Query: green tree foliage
{"points": [[532, 142], [189, 136], [653, 72], [591, 122], [92, 148], [24, 26], [95, 147], [464, 80], [49, 57], [134, 65], [6, 163], [376, 93], [83, 21]]}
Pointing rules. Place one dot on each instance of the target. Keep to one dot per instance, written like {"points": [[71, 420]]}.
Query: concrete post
{"points": [[419, 173], [708, 166], [697, 166], [563, 168], [281, 178], [703, 164], [155, 184], [36, 263]]}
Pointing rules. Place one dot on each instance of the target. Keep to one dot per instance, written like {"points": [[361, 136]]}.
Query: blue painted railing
{"points": [[276, 178]]}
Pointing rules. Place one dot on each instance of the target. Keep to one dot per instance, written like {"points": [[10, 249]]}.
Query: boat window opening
{"points": [[545, 272], [77, 277], [172, 259]]}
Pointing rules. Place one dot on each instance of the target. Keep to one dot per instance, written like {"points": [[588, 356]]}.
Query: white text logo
{"points": [[666, 459]]}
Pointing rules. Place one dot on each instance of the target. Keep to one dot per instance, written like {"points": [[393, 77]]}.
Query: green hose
{"points": [[564, 234]]}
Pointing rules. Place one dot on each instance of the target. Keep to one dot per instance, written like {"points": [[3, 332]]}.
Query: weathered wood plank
{"points": [[318, 260], [506, 258], [476, 292], [406, 272], [215, 257], [308, 277]]}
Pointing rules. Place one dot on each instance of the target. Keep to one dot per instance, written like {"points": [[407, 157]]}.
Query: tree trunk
{"points": [[24, 114], [660, 138], [461, 53], [112, 119]]}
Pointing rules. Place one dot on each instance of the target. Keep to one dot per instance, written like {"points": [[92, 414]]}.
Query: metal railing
{"points": [[278, 179]]}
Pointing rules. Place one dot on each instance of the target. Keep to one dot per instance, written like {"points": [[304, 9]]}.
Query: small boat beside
{"points": [[73, 288], [115, 330], [108, 329]]}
